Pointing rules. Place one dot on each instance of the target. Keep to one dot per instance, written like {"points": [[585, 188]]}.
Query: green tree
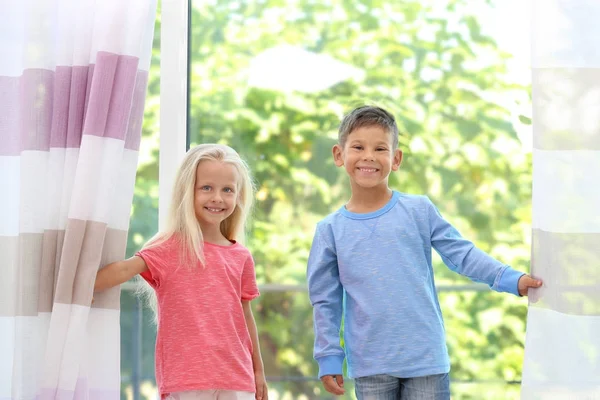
{"points": [[424, 61]]}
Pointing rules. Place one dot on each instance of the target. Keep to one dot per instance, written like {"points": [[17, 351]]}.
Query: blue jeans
{"points": [[387, 387]]}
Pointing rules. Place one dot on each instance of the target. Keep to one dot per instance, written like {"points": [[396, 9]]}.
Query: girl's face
{"points": [[215, 195]]}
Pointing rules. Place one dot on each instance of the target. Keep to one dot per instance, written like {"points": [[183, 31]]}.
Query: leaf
{"points": [[525, 120]]}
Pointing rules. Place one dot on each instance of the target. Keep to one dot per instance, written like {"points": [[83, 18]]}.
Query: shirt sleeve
{"points": [[155, 259], [461, 256], [249, 286], [326, 294]]}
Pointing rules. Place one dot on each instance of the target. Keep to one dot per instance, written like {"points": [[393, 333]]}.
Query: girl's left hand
{"points": [[526, 282], [262, 391]]}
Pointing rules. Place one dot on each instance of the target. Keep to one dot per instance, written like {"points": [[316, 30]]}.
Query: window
{"points": [[272, 79]]}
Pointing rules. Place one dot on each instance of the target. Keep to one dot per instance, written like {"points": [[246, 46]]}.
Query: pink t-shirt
{"points": [[202, 340]]}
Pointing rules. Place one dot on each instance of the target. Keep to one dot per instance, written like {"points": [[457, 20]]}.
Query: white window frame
{"points": [[173, 98]]}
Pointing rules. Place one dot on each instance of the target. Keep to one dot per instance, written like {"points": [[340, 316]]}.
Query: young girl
{"points": [[207, 341]]}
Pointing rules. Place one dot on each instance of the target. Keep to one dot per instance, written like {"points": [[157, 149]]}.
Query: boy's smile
{"points": [[367, 171], [368, 156]]}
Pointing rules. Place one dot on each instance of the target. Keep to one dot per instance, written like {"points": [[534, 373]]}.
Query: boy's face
{"points": [[368, 156]]}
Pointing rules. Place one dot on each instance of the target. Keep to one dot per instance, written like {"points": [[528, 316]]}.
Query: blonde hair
{"points": [[182, 222]]}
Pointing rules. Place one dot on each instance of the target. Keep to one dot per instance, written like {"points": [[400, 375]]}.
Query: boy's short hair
{"points": [[368, 116]]}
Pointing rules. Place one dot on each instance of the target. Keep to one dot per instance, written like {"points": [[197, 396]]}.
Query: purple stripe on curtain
{"points": [[111, 92], [77, 99], [122, 95], [52, 105], [60, 110], [9, 123], [97, 105], [35, 98], [88, 88], [133, 138], [70, 91]]}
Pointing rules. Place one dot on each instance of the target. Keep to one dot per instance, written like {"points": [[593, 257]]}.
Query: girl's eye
{"points": [[205, 187], [228, 190]]}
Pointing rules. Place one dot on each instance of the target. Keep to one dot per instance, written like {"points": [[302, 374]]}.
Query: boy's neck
{"points": [[365, 200]]}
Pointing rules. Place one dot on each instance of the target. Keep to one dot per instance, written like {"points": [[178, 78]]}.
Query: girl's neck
{"points": [[365, 200], [213, 234]]}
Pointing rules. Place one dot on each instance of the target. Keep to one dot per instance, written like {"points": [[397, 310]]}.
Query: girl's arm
{"points": [[119, 272], [259, 371]]}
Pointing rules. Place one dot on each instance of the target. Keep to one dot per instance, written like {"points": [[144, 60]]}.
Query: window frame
{"points": [[174, 74]]}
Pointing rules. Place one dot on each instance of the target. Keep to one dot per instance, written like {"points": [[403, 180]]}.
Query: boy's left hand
{"points": [[262, 391], [526, 282]]}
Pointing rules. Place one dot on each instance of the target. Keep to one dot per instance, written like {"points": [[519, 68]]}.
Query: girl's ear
{"points": [[338, 155], [397, 160]]}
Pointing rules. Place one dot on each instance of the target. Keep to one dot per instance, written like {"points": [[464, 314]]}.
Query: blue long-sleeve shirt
{"points": [[376, 270]]}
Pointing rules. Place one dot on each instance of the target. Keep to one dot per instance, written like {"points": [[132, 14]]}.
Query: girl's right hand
{"points": [[119, 272], [334, 384], [262, 391]]}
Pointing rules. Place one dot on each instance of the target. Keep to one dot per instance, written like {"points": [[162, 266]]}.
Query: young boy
{"points": [[371, 261]]}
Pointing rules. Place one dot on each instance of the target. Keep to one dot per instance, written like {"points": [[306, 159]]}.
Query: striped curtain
{"points": [[562, 350], [73, 77]]}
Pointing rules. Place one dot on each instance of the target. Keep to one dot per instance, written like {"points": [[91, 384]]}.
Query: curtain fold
{"points": [[73, 77], [562, 349]]}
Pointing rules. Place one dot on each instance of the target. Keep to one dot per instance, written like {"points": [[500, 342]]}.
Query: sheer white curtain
{"points": [[73, 76], [562, 350]]}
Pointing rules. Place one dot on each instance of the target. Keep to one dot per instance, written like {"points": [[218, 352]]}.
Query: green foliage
{"points": [[429, 63]]}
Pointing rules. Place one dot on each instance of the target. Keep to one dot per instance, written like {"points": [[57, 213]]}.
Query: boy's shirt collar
{"points": [[374, 214]]}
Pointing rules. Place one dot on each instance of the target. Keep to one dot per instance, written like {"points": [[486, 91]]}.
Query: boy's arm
{"points": [[461, 255], [325, 292]]}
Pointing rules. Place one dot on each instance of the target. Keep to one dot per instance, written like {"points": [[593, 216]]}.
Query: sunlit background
{"points": [[273, 78]]}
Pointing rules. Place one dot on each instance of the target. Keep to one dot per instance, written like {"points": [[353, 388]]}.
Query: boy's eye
{"points": [[381, 149], [357, 147]]}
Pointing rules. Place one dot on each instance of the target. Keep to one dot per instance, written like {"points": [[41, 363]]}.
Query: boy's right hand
{"points": [[334, 384]]}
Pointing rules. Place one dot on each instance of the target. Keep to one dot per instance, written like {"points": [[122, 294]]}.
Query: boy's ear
{"points": [[337, 155], [397, 160]]}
